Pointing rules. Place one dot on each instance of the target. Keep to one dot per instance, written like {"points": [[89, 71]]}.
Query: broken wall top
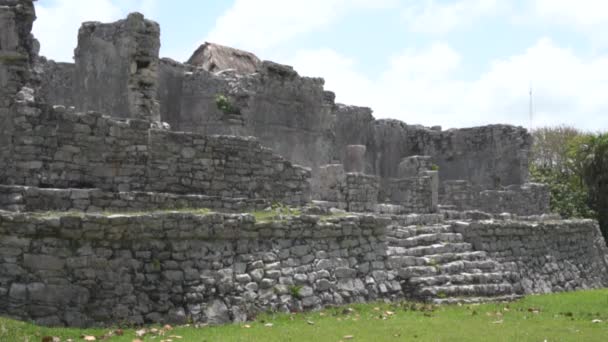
{"points": [[215, 57]]}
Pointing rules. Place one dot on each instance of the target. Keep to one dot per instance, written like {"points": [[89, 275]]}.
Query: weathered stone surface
{"points": [[355, 158], [133, 268], [119, 156], [117, 68], [526, 199], [215, 57]]}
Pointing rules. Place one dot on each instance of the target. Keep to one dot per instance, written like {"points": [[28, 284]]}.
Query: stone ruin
{"points": [[127, 192]]}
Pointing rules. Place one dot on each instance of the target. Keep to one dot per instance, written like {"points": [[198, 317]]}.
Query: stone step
{"points": [[460, 279], [474, 266], [424, 239], [409, 231], [472, 290], [449, 257], [398, 261], [452, 268], [475, 300], [417, 271], [439, 248]]}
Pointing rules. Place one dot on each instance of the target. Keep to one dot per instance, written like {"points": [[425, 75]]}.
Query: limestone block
{"points": [[354, 160]]}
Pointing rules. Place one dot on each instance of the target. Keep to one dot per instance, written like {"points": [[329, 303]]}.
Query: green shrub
{"points": [[224, 104]]}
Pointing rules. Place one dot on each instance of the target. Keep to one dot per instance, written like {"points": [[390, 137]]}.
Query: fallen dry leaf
{"points": [[176, 336], [310, 322], [596, 321], [269, 325], [141, 332], [246, 326], [89, 338], [389, 313], [119, 332], [349, 337], [137, 340], [498, 322], [168, 327], [51, 339]]}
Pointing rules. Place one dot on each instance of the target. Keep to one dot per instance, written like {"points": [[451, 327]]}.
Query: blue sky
{"points": [[453, 63]]}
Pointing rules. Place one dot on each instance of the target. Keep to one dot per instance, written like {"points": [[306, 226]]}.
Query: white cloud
{"points": [[58, 22], [581, 14], [431, 16], [421, 87], [589, 17], [262, 24]]}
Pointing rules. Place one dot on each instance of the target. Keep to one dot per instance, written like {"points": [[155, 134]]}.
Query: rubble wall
{"points": [[17, 49], [83, 270], [117, 68], [216, 268], [57, 148], [550, 256]]}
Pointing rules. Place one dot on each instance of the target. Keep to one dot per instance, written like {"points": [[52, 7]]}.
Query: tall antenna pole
{"points": [[531, 107]]}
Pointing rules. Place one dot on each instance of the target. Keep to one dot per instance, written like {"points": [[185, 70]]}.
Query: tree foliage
{"points": [[554, 162], [592, 156], [575, 166]]}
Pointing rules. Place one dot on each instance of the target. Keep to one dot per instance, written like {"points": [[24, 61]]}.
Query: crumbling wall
{"points": [[57, 82], [213, 268], [215, 57], [17, 49], [61, 149], [414, 195], [550, 256], [287, 113], [29, 199], [117, 68], [526, 199]]}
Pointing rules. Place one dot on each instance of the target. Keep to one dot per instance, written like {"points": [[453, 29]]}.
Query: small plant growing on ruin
{"points": [[294, 291], [434, 167], [156, 264], [223, 104]]}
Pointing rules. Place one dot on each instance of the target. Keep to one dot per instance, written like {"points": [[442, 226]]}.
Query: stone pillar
{"points": [[330, 184], [434, 175], [117, 68], [355, 158], [17, 50], [413, 166]]}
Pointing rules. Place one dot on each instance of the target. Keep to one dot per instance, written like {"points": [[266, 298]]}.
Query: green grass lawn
{"points": [[576, 316]]}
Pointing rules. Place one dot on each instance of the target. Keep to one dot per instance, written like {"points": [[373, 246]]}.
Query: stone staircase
{"points": [[435, 264]]}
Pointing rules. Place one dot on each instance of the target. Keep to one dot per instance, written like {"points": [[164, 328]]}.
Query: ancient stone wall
{"points": [[414, 195], [57, 82], [216, 268], [550, 256], [30, 199], [291, 114], [117, 68], [17, 50], [82, 270], [526, 199], [61, 149], [288, 113]]}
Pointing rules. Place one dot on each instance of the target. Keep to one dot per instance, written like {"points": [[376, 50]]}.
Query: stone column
{"points": [[434, 175], [414, 166], [17, 49], [330, 184], [117, 68], [355, 159]]}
